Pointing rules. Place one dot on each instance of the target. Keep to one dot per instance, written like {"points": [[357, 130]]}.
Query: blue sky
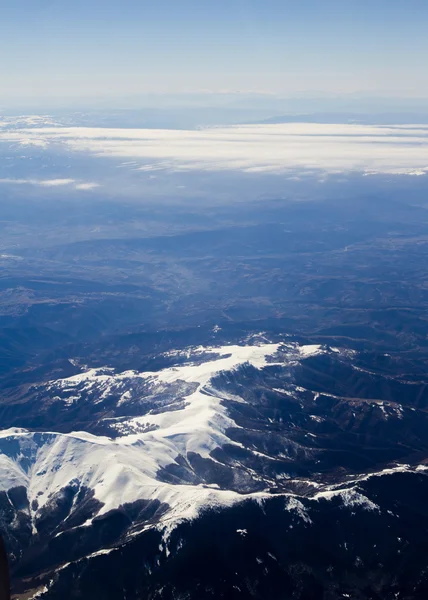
{"points": [[106, 48]]}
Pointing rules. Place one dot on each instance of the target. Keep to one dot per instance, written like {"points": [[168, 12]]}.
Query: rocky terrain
{"points": [[230, 443]]}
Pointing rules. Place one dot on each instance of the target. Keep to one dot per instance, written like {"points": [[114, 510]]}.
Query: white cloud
{"points": [[42, 182], [90, 185], [51, 183], [250, 148]]}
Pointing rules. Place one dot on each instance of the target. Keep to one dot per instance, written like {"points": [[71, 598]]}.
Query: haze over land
{"points": [[212, 332], [213, 299]]}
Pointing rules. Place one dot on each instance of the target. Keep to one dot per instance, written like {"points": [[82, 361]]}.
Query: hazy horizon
{"points": [[107, 49]]}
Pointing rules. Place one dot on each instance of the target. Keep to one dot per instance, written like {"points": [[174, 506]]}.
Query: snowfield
{"points": [[125, 469]]}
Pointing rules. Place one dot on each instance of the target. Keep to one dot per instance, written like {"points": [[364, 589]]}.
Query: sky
{"points": [[117, 48]]}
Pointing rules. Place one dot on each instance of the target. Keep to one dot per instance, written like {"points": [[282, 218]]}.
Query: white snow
{"points": [[350, 497], [297, 506], [310, 350], [124, 470], [317, 419]]}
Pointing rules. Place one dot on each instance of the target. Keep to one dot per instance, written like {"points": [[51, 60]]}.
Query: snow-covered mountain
{"points": [[211, 430], [189, 418]]}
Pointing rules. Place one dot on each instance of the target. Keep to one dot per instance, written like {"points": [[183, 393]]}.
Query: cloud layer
{"points": [[251, 148], [51, 183]]}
